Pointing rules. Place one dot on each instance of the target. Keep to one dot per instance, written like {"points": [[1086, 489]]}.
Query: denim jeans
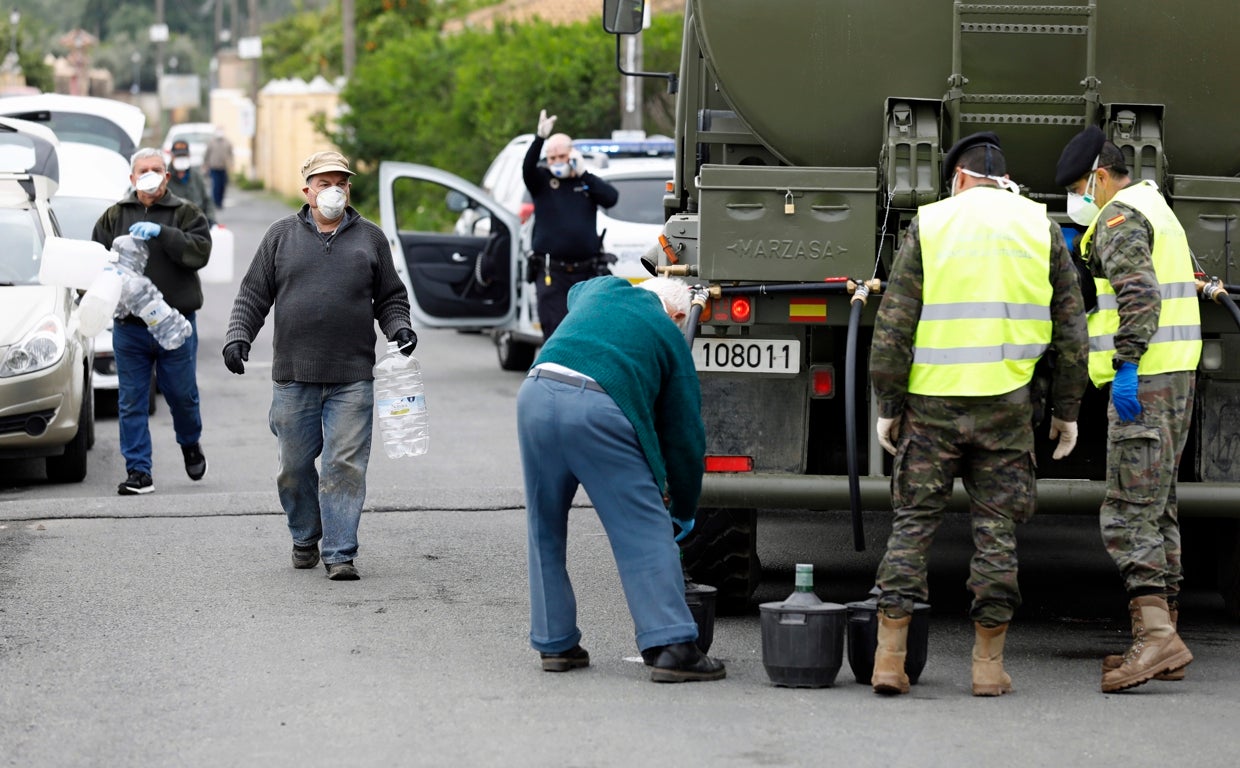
{"points": [[570, 435], [176, 370], [332, 420], [219, 181]]}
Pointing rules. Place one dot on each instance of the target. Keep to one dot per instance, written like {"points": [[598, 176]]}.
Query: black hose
{"points": [[750, 290], [1231, 307], [850, 423], [695, 311]]}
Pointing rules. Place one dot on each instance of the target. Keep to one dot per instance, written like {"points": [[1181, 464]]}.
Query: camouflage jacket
{"points": [[1122, 255], [891, 352]]}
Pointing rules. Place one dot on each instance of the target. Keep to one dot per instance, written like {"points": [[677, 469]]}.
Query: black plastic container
{"points": [[803, 644], [701, 600], [863, 640]]}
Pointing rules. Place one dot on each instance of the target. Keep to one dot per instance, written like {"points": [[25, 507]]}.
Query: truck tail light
{"points": [[729, 463], [740, 309], [822, 381]]}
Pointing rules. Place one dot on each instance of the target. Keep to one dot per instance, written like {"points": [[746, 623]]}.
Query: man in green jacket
{"points": [[179, 240], [613, 404]]}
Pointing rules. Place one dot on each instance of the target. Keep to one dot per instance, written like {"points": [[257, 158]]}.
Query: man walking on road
{"points": [[329, 272], [1145, 341], [178, 240], [982, 287], [218, 159]]}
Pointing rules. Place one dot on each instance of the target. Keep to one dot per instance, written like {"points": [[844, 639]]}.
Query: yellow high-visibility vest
{"points": [[1176, 345], [985, 316]]}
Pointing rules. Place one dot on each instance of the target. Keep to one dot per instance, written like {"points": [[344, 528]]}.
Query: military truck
{"points": [[809, 132]]}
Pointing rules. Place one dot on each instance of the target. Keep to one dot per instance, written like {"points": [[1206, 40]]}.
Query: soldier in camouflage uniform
{"points": [[970, 307], [1145, 341]]}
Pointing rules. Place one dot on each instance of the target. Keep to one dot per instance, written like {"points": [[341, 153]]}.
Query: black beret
{"points": [[983, 139], [1079, 156]]}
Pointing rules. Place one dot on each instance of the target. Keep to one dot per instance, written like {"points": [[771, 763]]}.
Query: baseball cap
{"points": [[180, 148], [324, 162]]}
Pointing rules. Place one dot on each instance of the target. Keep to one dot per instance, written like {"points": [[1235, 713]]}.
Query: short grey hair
{"points": [[143, 154], [674, 294]]}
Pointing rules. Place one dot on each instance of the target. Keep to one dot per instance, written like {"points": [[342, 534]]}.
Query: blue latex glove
{"points": [[685, 527], [1124, 392], [144, 230]]}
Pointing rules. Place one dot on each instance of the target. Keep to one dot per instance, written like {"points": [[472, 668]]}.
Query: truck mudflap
{"points": [[784, 491]]}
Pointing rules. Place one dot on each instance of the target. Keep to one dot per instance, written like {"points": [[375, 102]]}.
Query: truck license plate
{"points": [[747, 355]]}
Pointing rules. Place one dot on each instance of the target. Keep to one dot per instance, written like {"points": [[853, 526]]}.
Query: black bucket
{"points": [[803, 645], [863, 640], [701, 601]]}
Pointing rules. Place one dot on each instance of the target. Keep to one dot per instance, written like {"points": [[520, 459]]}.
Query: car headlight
{"points": [[41, 348]]}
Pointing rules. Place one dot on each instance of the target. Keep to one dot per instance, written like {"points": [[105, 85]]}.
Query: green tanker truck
{"points": [[809, 131]]}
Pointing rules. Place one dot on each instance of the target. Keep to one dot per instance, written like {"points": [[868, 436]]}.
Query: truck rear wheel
{"points": [[1229, 569], [722, 552]]}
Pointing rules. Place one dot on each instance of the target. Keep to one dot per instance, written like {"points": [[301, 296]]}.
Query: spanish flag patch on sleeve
{"points": [[1116, 220]]}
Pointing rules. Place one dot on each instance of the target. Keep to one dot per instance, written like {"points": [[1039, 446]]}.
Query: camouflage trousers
{"points": [[1139, 516], [988, 443]]}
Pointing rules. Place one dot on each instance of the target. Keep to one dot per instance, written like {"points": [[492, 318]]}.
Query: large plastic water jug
{"points": [[803, 637]]}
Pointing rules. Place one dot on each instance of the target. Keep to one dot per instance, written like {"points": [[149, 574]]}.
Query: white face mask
{"points": [[331, 202], [1081, 208], [180, 163], [559, 170], [149, 182], [1003, 183]]}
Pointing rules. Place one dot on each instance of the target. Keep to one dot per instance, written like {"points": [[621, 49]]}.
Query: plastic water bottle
{"points": [[400, 401], [100, 301], [143, 300]]}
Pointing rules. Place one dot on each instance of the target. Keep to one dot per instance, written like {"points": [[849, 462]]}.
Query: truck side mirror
{"points": [[623, 17]]}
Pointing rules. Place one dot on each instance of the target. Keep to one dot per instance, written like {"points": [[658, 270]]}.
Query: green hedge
{"points": [[453, 101]]}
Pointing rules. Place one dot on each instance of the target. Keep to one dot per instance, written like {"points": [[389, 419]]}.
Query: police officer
{"points": [[1145, 340], [982, 286], [566, 245]]}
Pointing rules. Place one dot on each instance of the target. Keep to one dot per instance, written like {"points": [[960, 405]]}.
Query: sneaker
{"points": [[136, 483], [685, 663], [342, 571], [305, 557], [574, 658], [195, 462]]}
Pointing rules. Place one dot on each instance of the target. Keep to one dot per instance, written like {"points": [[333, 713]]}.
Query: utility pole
{"points": [[254, 64], [631, 87], [159, 67], [350, 43]]}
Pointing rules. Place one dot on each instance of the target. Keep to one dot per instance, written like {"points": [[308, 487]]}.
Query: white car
{"points": [[476, 279], [107, 123], [197, 135], [46, 409]]}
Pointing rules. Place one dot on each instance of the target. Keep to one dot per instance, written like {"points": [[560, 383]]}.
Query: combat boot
{"points": [[1115, 660], [989, 679], [889, 676], [1156, 647]]}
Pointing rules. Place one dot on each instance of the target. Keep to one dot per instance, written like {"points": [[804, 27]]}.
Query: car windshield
{"points": [[641, 200], [19, 258], [87, 129], [77, 215]]}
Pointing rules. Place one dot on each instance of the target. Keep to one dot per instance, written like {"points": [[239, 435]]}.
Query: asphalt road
{"points": [[171, 630]]}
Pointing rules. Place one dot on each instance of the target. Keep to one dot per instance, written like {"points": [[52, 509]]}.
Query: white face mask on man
{"points": [[180, 163], [1081, 208], [331, 202], [149, 182]]}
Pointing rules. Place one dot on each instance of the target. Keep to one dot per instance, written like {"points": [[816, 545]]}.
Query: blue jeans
{"points": [[176, 370], [333, 420], [219, 181], [570, 435]]}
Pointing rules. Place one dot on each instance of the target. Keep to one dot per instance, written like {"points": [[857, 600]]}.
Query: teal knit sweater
{"points": [[621, 337]]}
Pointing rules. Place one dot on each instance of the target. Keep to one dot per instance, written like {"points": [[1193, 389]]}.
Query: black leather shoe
{"points": [[685, 663], [574, 658]]}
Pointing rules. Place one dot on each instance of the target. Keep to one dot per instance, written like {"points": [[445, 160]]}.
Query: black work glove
{"points": [[235, 355], [406, 340]]}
